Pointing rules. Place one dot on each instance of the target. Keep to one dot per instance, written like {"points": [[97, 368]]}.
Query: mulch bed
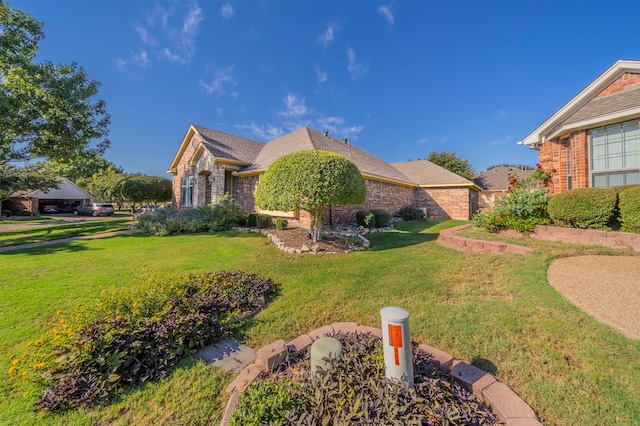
{"points": [[297, 238]]}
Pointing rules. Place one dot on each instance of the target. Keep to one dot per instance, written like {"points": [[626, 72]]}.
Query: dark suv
{"points": [[94, 209]]}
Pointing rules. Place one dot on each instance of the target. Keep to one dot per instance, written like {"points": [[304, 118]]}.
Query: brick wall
{"points": [[453, 203], [245, 191], [16, 205], [568, 156], [625, 81], [183, 169]]}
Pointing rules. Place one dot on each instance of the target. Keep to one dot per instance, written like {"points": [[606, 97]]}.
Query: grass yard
{"points": [[495, 311]]}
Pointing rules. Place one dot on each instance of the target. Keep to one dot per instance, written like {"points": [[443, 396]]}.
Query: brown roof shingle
{"points": [[424, 172], [497, 178], [230, 147], [614, 102]]}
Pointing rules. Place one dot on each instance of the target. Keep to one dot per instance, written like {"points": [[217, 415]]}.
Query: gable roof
{"points": [[222, 146], [67, 190], [497, 178], [255, 157], [305, 138], [427, 174], [585, 110]]}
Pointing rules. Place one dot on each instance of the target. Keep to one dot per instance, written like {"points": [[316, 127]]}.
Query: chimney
{"points": [[326, 133]]}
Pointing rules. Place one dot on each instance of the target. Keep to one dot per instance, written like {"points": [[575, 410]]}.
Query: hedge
{"points": [[629, 208], [583, 207]]}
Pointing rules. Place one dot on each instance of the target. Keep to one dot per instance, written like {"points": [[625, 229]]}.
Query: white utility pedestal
{"points": [[398, 362]]}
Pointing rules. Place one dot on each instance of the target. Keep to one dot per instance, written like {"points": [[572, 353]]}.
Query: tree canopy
{"points": [[79, 168], [146, 189], [27, 178], [311, 180], [451, 162], [47, 109]]}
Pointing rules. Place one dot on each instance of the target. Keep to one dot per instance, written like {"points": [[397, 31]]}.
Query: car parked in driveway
{"points": [[94, 209], [50, 208]]}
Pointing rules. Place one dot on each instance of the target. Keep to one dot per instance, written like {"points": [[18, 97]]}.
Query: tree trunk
{"points": [[316, 225]]}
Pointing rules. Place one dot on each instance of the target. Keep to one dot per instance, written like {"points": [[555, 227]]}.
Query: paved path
{"points": [[605, 287], [66, 240]]}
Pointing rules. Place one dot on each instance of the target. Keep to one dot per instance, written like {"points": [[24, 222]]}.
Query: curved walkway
{"points": [[605, 287]]}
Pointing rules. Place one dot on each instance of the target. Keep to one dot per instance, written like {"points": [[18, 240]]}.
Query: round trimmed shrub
{"points": [[583, 207], [382, 217], [629, 208], [281, 223], [366, 218]]}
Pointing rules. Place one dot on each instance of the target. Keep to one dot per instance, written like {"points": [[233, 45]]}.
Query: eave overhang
{"points": [[553, 126]]}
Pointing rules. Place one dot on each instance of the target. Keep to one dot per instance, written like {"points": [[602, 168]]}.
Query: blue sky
{"points": [[399, 79]]}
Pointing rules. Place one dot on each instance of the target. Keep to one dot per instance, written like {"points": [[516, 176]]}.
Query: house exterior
{"points": [[210, 163], [67, 194], [495, 183], [594, 140]]}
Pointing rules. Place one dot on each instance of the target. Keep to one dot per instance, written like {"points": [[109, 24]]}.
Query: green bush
{"points": [[629, 208], [220, 216], [135, 333], [410, 213], [520, 210], [281, 223], [252, 219], [382, 217], [354, 391], [366, 218], [263, 220], [584, 208], [6, 213]]}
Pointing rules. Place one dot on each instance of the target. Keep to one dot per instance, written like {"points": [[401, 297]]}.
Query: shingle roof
{"points": [[615, 102], [230, 147], [305, 138], [67, 190], [424, 172], [497, 178]]}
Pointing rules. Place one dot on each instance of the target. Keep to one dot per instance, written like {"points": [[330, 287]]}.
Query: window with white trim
{"points": [[615, 154], [186, 191]]}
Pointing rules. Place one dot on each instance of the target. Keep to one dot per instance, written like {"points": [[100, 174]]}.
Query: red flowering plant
{"points": [[523, 207]]}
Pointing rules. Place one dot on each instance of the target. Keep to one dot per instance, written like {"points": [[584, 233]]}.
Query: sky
{"points": [[400, 79]]}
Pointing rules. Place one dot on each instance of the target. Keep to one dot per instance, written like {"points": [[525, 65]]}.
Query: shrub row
{"points": [[598, 208], [221, 216], [136, 333], [583, 207], [411, 213], [259, 220], [374, 218], [354, 391]]}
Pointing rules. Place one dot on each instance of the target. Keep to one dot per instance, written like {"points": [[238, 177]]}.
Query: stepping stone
{"points": [[228, 355]]}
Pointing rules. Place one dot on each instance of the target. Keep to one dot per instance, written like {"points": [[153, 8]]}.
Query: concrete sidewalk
{"points": [[67, 240]]}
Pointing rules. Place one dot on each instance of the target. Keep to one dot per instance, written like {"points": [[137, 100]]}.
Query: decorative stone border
{"points": [[448, 238], [504, 402], [280, 245]]}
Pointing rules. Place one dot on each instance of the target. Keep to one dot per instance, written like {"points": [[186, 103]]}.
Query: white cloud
{"points": [[267, 132], [356, 69], [295, 106], [145, 37], [220, 82], [227, 11], [171, 35], [322, 76], [121, 64], [506, 140], [170, 56], [337, 129], [141, 59], [387, 13], [327, 37]]}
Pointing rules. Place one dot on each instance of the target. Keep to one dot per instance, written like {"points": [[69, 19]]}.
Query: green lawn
{"points": [[495, 311], [57, 232]]}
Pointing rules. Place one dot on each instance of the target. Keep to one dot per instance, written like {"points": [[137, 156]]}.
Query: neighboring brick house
{"points": [[66, 195], [209, 164], [594, 140], [495, 183]]}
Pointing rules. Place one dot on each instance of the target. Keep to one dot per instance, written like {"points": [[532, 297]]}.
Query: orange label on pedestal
{"points": [[395, 340]]}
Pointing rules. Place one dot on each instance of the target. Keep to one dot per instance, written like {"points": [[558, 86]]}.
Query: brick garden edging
{"points": [[504, 402], [612, 239], [449, 238]]}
